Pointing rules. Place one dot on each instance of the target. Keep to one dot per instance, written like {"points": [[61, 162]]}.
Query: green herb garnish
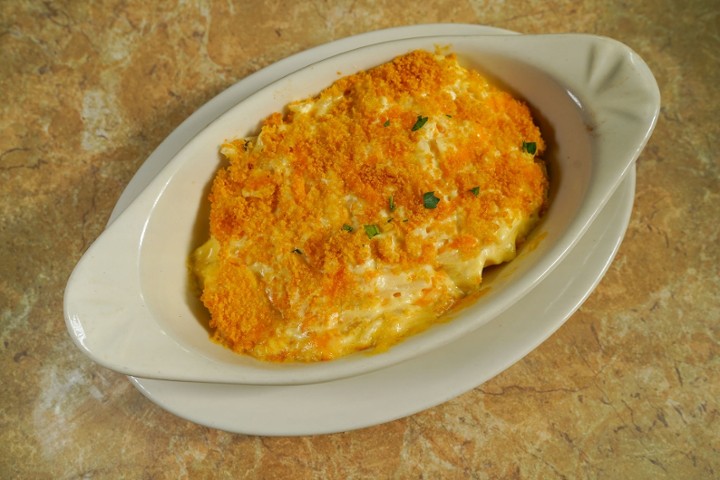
{"points": [[419, 123], [387, 123], [391, 203], [347, 227], [430, 200], [372, 230], [475, 191], [297, 250], [529, 147]]}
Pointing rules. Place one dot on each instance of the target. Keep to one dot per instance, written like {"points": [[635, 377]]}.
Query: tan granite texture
{"points": [[628, 388]]}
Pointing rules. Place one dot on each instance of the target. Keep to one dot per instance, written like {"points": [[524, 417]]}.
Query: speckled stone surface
{"points": [[627, 388]]}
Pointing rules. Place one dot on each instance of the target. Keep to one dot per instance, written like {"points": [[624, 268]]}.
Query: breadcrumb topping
{"points": [[363, 214]]}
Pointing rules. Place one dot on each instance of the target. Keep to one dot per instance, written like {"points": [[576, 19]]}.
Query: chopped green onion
{"points": [[391, 203], [372, 230], [347, 227], [419, 123], [475, 191], [387, 123], [529, 147], [430, 200]]}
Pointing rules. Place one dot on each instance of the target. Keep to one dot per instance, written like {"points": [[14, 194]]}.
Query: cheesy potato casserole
{"points": [[362, 215]]}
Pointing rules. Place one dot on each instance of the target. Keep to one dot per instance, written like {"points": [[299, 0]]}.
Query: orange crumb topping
{"points": [[324, 236]]}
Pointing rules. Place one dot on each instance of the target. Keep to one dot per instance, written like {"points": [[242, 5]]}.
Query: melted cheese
{"points": [[320, 241]]}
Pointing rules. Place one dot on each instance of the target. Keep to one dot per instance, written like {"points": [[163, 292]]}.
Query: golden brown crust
{"points": [[292, 206]]}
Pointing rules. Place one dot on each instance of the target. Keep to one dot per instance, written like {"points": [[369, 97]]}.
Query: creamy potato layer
{"points": [[364, 214]]}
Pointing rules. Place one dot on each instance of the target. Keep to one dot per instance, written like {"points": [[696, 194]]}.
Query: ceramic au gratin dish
{"points": [[128, 304]]}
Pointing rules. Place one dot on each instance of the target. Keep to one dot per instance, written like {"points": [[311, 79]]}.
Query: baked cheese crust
{"points": [[362, 215]]}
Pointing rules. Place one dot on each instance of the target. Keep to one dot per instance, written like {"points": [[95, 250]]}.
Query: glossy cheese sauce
{"points": [[364, 214]]}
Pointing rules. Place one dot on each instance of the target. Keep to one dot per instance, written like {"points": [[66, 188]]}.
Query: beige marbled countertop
{"points": [[627, 388]]}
